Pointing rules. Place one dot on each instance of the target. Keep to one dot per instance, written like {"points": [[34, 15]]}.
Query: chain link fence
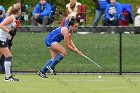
{"points": [[30, 54], [131, 53]]}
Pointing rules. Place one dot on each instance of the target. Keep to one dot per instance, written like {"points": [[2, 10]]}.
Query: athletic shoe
{"points": [[54, 70], [11, 79], [50, 69], [41, 74]]}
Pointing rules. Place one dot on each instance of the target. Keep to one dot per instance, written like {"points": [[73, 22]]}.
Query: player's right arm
{"points": [[66, 33], [7, 21], [67, 41]]}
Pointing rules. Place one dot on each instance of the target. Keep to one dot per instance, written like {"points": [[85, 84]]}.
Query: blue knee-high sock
{"points": [[44, 69], [56, 60]]}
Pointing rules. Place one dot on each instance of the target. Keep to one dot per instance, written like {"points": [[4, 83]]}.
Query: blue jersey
{"points": [[54, 36]]}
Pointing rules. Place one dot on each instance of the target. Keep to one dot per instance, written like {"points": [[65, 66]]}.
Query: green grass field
{"points": [[31, 83], [29, 53]]}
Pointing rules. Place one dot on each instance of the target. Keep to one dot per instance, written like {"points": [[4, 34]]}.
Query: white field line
{"points": [[109, 88], [99, 80]]}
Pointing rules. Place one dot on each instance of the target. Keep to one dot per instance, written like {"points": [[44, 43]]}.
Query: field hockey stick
{"points": [[91, 61]]}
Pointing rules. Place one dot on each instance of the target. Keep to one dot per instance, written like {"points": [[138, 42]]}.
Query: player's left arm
{"points": [[71, 42], [73, 45]]}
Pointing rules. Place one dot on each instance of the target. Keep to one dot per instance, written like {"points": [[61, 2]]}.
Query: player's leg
{"points": [[61, 53], [44, 68], [53, 54], [2, 59], [57, 52], [42, 72], [8, 58]]}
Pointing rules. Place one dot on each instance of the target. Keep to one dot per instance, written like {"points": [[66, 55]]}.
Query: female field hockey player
{"points": [[6, 31], [57, 51]]}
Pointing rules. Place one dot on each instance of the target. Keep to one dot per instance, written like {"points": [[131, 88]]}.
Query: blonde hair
{"points": [[13, 9]]}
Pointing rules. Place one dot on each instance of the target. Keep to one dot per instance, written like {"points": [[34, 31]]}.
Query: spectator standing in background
{"points": [[100, 10], [72, 10], [41, 13]]}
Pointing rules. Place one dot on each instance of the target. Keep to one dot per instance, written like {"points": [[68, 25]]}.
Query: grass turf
{"points": [[30, 83], [30, 54]]}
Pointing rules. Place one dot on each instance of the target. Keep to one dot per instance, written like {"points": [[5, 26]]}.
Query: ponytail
{"points": [[9, 12], [13, 9]]}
